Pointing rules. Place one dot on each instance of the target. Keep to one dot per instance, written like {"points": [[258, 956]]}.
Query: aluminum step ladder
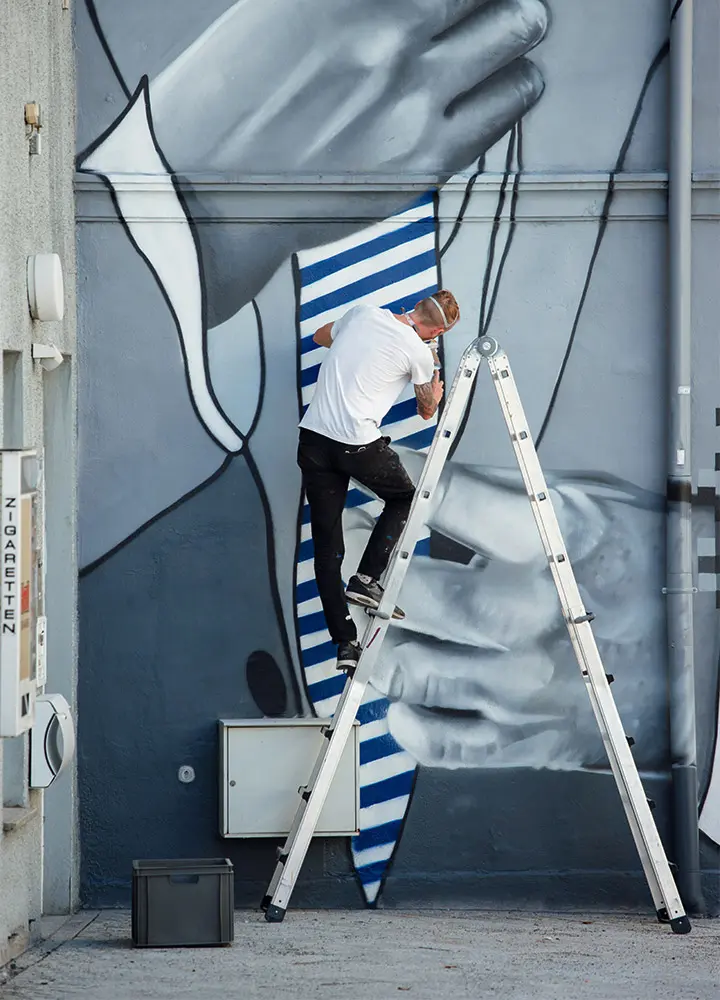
{"points": [[668, 905]]}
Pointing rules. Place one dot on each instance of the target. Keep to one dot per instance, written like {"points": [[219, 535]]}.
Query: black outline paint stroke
{"points": [[483, 321], [93, 15], [602, 228], [142, 91], [96, 563]]}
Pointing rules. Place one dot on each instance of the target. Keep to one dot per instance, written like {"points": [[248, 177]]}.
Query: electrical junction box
{"points": [[263, 763], [22, 623]]}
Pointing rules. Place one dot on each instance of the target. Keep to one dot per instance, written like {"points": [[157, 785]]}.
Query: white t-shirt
{"points": [[371, 361]]}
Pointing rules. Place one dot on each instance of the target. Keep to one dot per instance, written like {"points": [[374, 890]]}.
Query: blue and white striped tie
{"points": [[392, 264]]}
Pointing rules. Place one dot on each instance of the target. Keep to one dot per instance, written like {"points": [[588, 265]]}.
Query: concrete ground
{"points": [[377, 955]]}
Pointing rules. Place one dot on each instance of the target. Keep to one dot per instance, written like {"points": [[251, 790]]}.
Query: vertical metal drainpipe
{"points": [[679, 589]]}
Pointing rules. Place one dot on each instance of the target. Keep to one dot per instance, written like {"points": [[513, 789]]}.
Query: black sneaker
{"points": [[348, 655], [368, 595]]}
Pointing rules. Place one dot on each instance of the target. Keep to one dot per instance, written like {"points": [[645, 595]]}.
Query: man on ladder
{"points": [[374, 355], [380, 605]]}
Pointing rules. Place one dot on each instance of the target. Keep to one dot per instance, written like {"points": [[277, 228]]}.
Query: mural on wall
{"points": [[480, 674]]}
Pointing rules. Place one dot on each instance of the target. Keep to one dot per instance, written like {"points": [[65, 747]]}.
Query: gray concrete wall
{"points": [[244, 168], [36, 215]]}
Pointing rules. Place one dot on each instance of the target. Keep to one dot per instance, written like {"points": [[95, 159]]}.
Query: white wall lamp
{"points": [[45, 287]]}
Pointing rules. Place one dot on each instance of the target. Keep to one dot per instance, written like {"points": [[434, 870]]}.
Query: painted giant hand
{"points": [[481, 673]]}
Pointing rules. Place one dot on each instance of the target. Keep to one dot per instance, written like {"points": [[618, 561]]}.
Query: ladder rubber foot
{"points": [[681, 925], [274, 914], [663, 916], [266, 900]]}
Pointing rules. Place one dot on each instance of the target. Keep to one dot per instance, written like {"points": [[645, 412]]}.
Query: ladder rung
{"points": [[631, 741], [610, 678], [588, 617]]}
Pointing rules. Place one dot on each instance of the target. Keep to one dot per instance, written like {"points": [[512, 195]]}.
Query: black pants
{"points": [[327, 467]]}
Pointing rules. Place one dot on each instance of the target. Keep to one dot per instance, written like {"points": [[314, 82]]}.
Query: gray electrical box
{"points": [[263, 762]]}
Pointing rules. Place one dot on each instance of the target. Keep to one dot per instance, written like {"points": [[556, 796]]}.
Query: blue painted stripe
{"points": [[401, 411], [388, 241], [309, 376], [306, 550], [327, 689], [426, 198], [390, 788], [357, 289], [381, 746], [420, 439], [371, 711], [410, 301], [422, 548], [355, 498], [319, 654], [307, 344], [306, 591], [311, 623], [372, 873], [377, 835]]}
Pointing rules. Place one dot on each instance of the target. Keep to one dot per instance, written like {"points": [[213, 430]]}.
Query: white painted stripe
{"points": [[313, 639], [309, 607], [380, 297], [306, 257], [371, 730], [373, 855], [327, 707], [707, 582], [321, 671], [411, 425], [366, 268], [372, 889], [305, 532], [305, 571], [315, 357], [383, 812], [386, 767], [373, 508]]}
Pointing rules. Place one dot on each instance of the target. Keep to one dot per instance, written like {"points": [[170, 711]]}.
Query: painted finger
{"points": [[504, 688], [496, 608], [494, 37]]}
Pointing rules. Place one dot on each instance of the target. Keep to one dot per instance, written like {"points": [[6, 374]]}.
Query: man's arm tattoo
{"points": [[426, 402]]}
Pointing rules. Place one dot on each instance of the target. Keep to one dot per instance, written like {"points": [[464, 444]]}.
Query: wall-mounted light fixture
{"points": [[45, 287]]}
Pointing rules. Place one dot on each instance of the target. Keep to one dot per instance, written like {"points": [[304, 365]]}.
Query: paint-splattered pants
{"points": [[327, 467]]}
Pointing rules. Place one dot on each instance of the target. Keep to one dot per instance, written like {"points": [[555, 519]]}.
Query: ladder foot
{"points": [[681, 925], [266, 900], [274, 914]]}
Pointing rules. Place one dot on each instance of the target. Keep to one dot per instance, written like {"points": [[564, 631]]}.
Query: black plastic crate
{"points": [[182, 903]]}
